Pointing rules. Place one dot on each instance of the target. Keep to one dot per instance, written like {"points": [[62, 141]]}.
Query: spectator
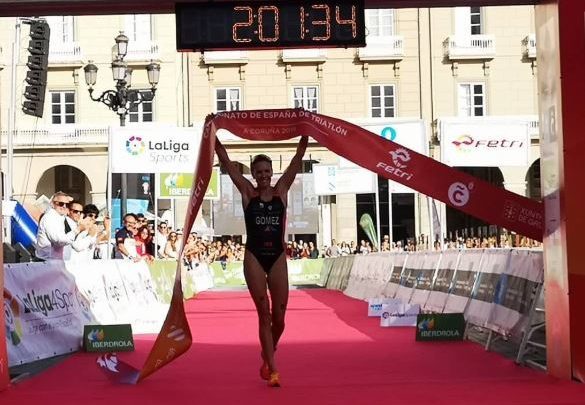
{"points": [[103, 237], [172, 247], [83, 246], [161, 238], [313, 251], [333, 250], [144, 243], [51, 234], [125, 242]]}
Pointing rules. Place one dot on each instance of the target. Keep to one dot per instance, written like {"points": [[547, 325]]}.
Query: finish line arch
{"points": [[561, 41]]}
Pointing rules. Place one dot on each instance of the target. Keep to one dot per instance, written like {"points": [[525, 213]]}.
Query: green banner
{"points": [[108, 338], [178, 185], [433, 327]]}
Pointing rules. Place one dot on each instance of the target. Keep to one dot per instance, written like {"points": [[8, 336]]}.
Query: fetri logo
{"points": [[96, 335], [12, 315], [108, 361], [426, 324], [459, 193], [466, 143], [135, 145], [400, 157]]}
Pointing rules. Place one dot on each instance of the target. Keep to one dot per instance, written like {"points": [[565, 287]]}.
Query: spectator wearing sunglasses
{"points": [[83, 246], [161, 238], [51, 234]]}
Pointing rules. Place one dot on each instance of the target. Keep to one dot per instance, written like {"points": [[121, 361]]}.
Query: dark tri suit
{"points": [[265, 230]]}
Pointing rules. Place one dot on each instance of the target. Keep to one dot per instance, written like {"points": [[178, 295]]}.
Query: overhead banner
{"points": [[484, 142], [390, 160], [153, 150]]}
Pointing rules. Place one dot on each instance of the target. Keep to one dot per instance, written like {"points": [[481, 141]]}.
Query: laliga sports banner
{"points": [[398, 163]]}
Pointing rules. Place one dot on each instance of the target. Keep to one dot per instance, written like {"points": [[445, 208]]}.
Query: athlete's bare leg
{"points": [[278, 287], [257, 285]]}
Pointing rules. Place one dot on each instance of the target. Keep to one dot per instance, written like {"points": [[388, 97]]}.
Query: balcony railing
{"points": [[304, 55], [65, 52], [142, 51], [529, 46], [382, 48], [470, 47], [58, 135], [225, 57]]}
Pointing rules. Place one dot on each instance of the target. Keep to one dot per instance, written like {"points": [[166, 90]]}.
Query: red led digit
{"points": [[352, 21], [276, 24], [302, 15], [326, 22], [242, 24]]}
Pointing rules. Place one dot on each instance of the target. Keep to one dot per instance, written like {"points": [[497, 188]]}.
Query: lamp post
{"points": [[122, 99]]}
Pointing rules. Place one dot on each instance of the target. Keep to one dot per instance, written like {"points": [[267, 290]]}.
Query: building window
{"points": [[471, 100], [379, 22], [63, 107], [475, 20], [138, 27], [228, 99], [382, 101], [61, 29], [142, 112], [306, 97]]}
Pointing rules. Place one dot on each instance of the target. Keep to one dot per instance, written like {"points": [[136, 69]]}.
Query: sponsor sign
{"points": [[178, 185], [435, 327], [485, 142], [332, 180], [154, 150], [108, 338], [398, 314]]}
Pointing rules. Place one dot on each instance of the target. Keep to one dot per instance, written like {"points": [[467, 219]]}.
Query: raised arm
{"points": [[287, 178], [238, 178]]}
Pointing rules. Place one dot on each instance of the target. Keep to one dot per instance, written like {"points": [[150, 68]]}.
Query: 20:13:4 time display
{"points": [[265, 25]]}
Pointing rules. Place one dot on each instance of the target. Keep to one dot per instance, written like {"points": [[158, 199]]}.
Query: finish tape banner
{"points": [[386, 158]]}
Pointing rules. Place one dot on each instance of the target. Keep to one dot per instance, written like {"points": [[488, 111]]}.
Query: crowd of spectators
{"points": [[69, 230]]}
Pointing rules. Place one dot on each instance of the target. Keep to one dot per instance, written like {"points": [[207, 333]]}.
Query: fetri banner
{"points": [[386, 158]]}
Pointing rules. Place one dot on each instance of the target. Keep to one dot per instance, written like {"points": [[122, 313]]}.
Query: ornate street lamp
{"points": [[123, 99]]}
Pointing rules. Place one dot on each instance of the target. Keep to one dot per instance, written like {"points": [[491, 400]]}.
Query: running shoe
{"points": [[265, 371], [274, 380]]}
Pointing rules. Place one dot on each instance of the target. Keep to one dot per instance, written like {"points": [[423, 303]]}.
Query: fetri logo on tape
{"points": [[108, 338]]}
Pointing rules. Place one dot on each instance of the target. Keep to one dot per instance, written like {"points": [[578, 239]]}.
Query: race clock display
{"points": [[270, 25]]}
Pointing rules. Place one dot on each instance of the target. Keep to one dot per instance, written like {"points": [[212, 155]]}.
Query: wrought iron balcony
{"points": [[65, 53], [142, 51], [225, 57], [382, 48], [459, 47], [63, 136]]}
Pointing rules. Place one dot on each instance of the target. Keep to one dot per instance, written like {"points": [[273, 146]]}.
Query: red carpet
{"points": [[331, 353]]}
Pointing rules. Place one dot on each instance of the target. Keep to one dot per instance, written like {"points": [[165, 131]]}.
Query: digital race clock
{"points": [[270, 25]]}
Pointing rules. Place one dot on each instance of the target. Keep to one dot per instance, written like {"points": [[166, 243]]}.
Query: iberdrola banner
{"points": [[386, 158]]}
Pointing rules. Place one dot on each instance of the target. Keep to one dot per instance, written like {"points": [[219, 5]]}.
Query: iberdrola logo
{"points": [[426, 324], [96, 335], [135, 145]]}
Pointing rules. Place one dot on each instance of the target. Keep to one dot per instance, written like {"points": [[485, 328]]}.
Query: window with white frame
{"points": [[142, 112], [62, 107], [228, 99], [138, 27], [61, 29], [306, 97], [475, 20], [379, 22], [471, 100], [382, 101]]}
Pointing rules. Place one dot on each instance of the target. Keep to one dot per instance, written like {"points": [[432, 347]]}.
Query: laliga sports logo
{"points": [[135, 145], [96, 335], [459, 193], [426, 324], [400, 157]]}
